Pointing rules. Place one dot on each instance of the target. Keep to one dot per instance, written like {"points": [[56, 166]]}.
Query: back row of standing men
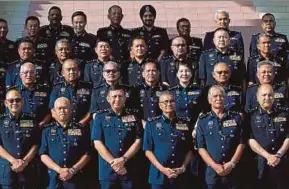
{"points": [[185, 69]]}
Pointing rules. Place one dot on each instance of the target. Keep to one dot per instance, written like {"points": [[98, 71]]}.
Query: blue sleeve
{"points": [[207, 41], [52, 98], [44, 143], [253, 46], [8, 78], [93, 102], [202, 67], [201, 141], [148, 139], [163, 69], [86, 72], [97, 131]]}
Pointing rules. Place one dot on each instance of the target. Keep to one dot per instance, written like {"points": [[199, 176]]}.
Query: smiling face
{"points": [[26, 50], [32, 28], [3, 30], [13, 102], [184, 74], [265, 74], [54, 16], [78, 23], [116, 99]]}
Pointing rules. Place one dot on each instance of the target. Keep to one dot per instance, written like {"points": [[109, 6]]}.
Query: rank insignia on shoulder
{"points": [[182, 126], [74, 132], [279, 119], [128, 118], [26, 123], [229, 123]]}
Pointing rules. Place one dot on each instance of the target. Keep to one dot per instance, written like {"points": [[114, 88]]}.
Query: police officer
{"points": [[93, 68], [131, 71], [269, 140], [8, 49], [234, 97], [279, 41], [220, 142], [222, 53], [111, 76], [222, 19], [116, 34], [43, 47], [77, 91], [19, 142], [149, 91], [195, 44], [35, 95], [117, 135], [65, 148], [63, 51], [55, 30], [82, 42], [169, 64], [26, 51], [156, 37], [168, 144], [264, 45], [266, 75], [187, 94]]}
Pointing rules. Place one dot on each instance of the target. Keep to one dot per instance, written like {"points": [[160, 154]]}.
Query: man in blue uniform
{"points": [[157, 38], [77, 91], [8, 49], [93, 68], [116, 34], [264, 46], [234, 97], [43, 47], [26, 51], [222, 19], [169, 64], [19, 140], [195, 44], [266, 75], [131, 70], [82, 42], [269, 139], [117, 135], [222, 53], [55, 30], [65, 148], [279, 41], [168, 145], [221, 142], [111, 76]]}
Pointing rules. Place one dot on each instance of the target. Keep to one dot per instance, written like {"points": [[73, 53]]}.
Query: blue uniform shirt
{"points": [[188, 101], [234, 60], [79, 96], [83, 46], [280, 68], [93, 72], [236, 41], [117, 133], [170, 141], [280, 96], [157, 39], [220, 137], [119, 41], [8, 51], [17, 136], [168, 67], [65, 146], [269, 130]]}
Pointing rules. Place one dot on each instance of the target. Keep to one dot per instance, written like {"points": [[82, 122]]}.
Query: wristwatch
{"points": [[72, 171], [125, 159], [234, 164], [278, 155]]}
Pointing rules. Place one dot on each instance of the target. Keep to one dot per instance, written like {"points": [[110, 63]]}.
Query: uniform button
{"points": [[120, 149], [64, 145], [172, 161], [273, 148], [64, 166], [17, 139], [271, 132], [152, 111], [224, 154], [273, 140], [173, 154], [64, 159], [173, 147], [18, 146], [222, 146], [172, 140], [222, 138], [120, 141], [119, 133], [18, 154], [64, 152]]}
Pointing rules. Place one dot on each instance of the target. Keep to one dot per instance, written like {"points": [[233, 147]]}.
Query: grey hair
{"points": [[62, 98], [166, 93], [27, 63], [221, 11], [63, 40], [214, 70], [113, 63], [263, 35], [265, 62], [216, 87]]}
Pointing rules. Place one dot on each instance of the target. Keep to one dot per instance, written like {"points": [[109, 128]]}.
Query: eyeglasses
{"points": [[12, 100], [166, 102], [222, 72], [110, 71], [28, 72]]}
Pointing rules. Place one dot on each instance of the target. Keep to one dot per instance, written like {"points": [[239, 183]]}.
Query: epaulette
{"points": [[184, 118], [204, 115], [66, 26], [13, 62], [281, 84], [282, 108], [209, 50], [253, 85], [154, 118], [250, 110], [173, 87], [135, 29], [91, 61], [197, 38], [12, 87], [88, 83], [281, 35]]}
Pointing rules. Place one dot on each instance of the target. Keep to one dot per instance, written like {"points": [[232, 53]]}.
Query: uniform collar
{"points": [[167, 120], [225, 114], [262, 111], [12, 117], [68, 84], [114, 28], [226, 53], [81, 35], [145, 29]]}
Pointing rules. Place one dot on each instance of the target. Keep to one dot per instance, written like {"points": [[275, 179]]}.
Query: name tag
{"points": [[53, 132], [233, 93], [83, 92], [279, 119], [182, 126], [74, 132], [65, 34], [128, 118], [229, 123], [156, 36], [26, 123], [42, 46]]}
